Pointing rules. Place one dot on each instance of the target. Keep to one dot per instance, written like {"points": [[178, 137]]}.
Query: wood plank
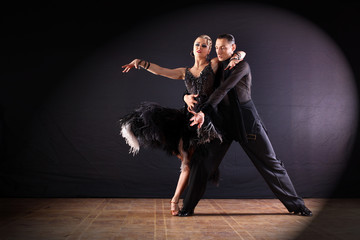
{"points": [[121, 218]]}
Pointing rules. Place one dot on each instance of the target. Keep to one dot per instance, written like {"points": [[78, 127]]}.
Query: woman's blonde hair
{"points": [[209, 41]]}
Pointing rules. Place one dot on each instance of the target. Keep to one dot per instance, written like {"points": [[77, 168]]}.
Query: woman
{"points": [[159, 127]]}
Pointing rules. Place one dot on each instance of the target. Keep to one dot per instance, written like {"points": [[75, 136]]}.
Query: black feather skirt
{"points": [[155, 126]]}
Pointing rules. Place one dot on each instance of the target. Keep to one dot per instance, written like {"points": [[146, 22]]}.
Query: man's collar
{"points": [[226, 62]]}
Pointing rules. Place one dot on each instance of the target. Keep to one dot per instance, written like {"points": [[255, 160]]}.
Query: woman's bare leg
{"points": [[183, 179], [182, 182]]}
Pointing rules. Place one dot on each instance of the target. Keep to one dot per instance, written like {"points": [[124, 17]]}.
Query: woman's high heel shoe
{"points": [[174, 208]]}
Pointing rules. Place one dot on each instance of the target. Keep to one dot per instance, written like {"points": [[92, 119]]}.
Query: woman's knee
{"points": [[185, 168]]}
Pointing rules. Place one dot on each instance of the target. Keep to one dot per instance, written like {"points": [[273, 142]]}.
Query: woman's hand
{"points": [[190, 100], [232, 64], [235, 59], [134, 63]]}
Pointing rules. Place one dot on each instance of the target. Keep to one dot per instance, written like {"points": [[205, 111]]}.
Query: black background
{"points": [[41, 43]]}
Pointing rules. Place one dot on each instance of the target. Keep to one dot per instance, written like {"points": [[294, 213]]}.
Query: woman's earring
{"points": [[192, 53]]}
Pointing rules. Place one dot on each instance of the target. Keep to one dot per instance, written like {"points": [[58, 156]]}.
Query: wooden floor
{"points": [[119, 218]]}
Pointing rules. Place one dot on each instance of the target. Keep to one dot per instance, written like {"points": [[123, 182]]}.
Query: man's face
{"points": [[224, 49]]}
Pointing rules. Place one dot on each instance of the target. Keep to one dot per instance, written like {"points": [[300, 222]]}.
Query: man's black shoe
{"points": [[303, 211], [185, 213]]}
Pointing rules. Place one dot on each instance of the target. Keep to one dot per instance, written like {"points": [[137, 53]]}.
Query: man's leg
{"points": [[204, 162], [262, 154]]}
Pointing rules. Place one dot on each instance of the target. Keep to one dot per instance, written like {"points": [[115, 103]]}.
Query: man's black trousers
{"points": [[207, 158]]}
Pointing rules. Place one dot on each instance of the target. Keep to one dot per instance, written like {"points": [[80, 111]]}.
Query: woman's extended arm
{"points": [[176, 73]]}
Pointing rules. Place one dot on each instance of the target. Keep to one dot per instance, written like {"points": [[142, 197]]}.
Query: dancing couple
{"points": [[219, 110]]}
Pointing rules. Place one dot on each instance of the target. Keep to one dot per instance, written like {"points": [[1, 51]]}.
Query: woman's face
{"points": [[201, 48]]}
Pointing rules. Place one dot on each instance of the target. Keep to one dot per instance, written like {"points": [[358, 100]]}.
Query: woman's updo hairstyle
{"points": [[209, 42]]}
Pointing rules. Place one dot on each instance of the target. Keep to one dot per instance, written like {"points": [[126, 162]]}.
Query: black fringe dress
{"points": [[155, 126]]}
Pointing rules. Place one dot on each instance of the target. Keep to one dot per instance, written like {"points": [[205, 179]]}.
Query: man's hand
{"points": [[190, 101], [198, 118]]}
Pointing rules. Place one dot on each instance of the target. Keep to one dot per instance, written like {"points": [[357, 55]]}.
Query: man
{"points": [[231, 106]]}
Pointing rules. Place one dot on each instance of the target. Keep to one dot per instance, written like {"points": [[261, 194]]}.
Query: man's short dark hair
{"points": [[228, 37]]}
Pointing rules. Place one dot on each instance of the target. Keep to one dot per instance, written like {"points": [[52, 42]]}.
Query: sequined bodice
{"points": [[202, 85]]}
